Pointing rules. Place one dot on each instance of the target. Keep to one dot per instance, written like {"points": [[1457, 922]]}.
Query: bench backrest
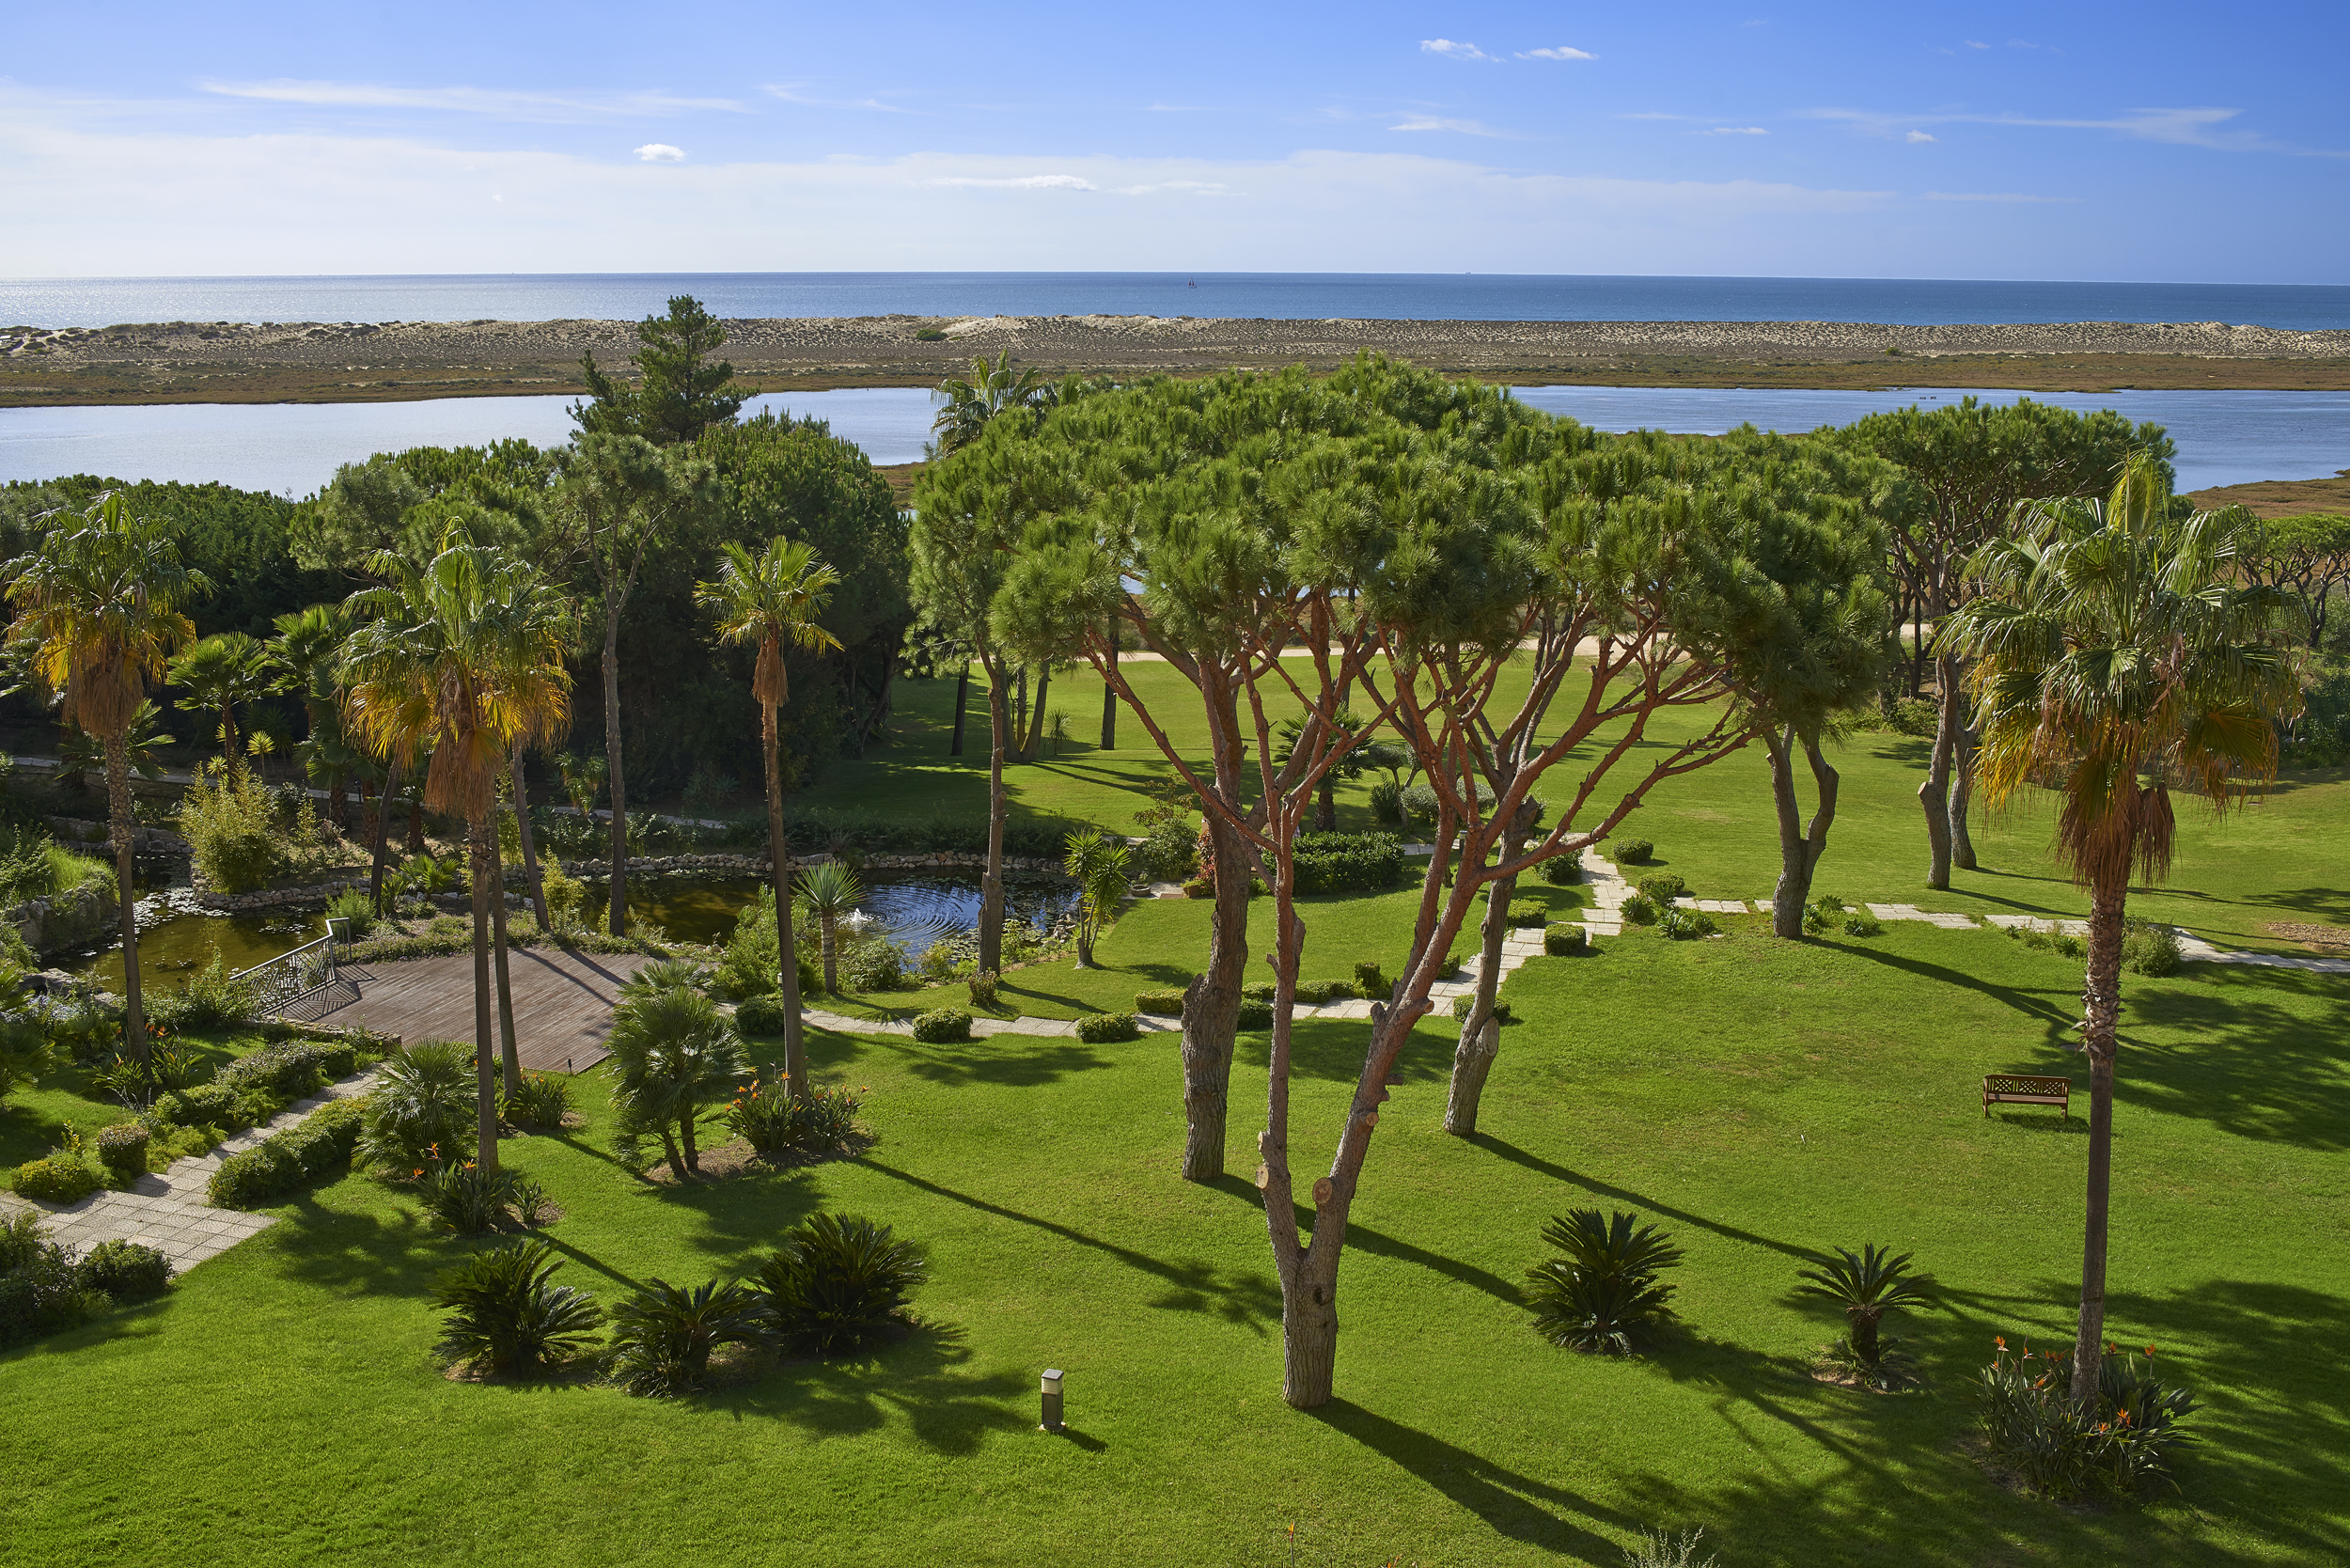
{"points": [[2009, 1083]]}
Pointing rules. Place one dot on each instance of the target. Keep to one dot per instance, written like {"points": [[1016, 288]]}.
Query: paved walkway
{"points": [[170, 1211]]}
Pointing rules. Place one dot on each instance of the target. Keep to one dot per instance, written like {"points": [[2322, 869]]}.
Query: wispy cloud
{"points": [[660, 153], [1651, 114], [790, 92], [1998, 195], [1735, 131], [2204, 128], [1020, 182], [1560, 52], [1453, 49], [1458, 127], [495, 102], [1916, 136]]}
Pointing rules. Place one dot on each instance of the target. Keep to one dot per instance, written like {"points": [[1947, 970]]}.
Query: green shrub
{"points": [[541, 1102], [57, 1178], [930, 335], [2068, 944], [1322, 993], [1421, 805], [944, 1026], [2064, 1452], [122, 1147], [1662, 888], [760, 1015], [467, 1199], [126, 1270], [505, 1312], [766, 1116], [423, 1111], [1254, 1014], [1601, 1293], [319, 1148], [1527, 912], [1565, 941], [1160, 1004], [982, 987], [1633, 852], [1913, 715], [41, 1289], [1823, 912], [1386, 802], [84, 1028], [1638, 910], [355, 912], [2148, 948], [290, 1068], [879, 964], [1861, 923], [1347, 862], [1200, 887], [838, 1285], [1169, 851], [1563, 870], [1369, 980], [662, 1336], [1465, 1005], [231, 829], [213, 1104], [211, 998], [1107, 1028], [1686, 925]]}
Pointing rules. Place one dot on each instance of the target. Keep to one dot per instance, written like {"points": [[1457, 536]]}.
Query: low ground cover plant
{"points": [[840, 1285], [1633, 852], [1601, 1294], [504, 1313], [1686, 925], [1662, 888]]}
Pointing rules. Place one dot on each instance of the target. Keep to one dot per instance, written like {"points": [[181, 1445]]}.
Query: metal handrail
{"points": [[299, 974]]}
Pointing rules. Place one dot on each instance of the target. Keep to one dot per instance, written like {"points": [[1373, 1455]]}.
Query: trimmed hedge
{"points": [[1564, 941], [1317, 993], [1633, 852], [320, 1146], [1347, 862], [213, 1104], [123, 1148], [1369, 980], [1160, 1004], [127, 1270], [290, 1068], [1258, 991], [1527, 912], [1462, 1006], [57, 1179], [1563, 870], [944, 1026], [1255, 1014], [1104, 1029], [1664, 887], [759, 1015]]}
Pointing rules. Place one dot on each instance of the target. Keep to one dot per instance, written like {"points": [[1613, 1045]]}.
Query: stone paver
{"points": [[1944, 918], [171, 1211]]}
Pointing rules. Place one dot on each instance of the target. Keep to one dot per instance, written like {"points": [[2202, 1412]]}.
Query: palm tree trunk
{"points": [[415, 823], [485, 1049], [510, 1057], [685, 1136], [825, 921], [530, 844], [381, 836], [991, 880], [1109, 695], [125, 825], [669, 1151], [617, 911], [2101, 1000], [1962, 797], [787, 949], [963, 700]]}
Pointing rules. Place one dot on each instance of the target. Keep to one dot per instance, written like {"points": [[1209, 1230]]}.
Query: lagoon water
{"points": [[1294, 296], [293, 448]]}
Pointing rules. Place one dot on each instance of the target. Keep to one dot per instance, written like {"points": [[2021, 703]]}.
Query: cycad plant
{"points": [[832, 893], [1101, 868], [1600, 1293], [1867, 1284], [837, 1283], [419, 1112], [674, 1059], [505, 1312], [2120, 651], [662, 1337]]}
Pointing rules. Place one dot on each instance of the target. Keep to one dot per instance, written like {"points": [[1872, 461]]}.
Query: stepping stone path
{"points": [[170, 1211]]}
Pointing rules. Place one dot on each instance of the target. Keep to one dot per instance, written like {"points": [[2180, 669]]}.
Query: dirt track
{"points": [[313, 362]]}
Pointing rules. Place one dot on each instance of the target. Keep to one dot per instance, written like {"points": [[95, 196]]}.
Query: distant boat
{"points": [[1194, 284]]}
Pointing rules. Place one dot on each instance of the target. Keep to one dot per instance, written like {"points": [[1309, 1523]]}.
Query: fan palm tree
{"points": [[1100, 867], [224, 672], [674, 1057], [301, 661], [989, 391], [833, 893], [80, 751], [772, 599], [467, 652], [99, 603], [2119, 655]]}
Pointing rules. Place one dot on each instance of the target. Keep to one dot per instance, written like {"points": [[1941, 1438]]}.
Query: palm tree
{"points": [[991, 390], [301, 661], [80, 751], [772, 599], [1098, 865], [2118, 655], [1867, 1285], [674, 1057], [833, 893], [468, 653], [226, 671], [99, 603]]}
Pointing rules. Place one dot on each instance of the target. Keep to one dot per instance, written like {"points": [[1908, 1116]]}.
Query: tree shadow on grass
{"points": [[1015, 1060], [2331, 904], [1379, 1244], [2252, 1063], [1511, 1504], [922, 1378], [749, 1210], [1245, 1300], [1597, 1189], [2057, 1022], [1334, 1049]]}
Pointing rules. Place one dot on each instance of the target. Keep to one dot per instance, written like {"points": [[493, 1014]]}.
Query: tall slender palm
{"points": [[301, 661], [225, 672], [99, 603], [772, 599], [2119, 655], [989, 390], [467, 652], [833, 893]]}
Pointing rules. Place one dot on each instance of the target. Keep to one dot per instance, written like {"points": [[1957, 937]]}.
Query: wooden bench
{"points": [[2012, 1088]]}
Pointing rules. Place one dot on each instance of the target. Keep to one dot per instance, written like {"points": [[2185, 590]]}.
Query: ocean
{"points": [[1308, 296], [293, 448]]}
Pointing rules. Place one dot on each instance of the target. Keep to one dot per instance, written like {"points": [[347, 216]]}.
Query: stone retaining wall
{"points": [[64, 920]]}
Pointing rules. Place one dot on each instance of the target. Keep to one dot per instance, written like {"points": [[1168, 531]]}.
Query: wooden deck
{"points": [[562, 1002]]}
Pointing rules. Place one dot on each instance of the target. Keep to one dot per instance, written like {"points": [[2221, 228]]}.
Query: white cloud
{"points": [[494, 103], [789, 92], [1561, 53], [1437, 122], [1021, 182], [2204, 128], [660, 153], [1916, 136], [1972, 44], [1998, 195], [1736, 130], [1452, 50]]}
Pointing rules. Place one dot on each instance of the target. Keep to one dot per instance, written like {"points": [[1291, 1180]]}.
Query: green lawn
{"points": [[1758, 1098]]}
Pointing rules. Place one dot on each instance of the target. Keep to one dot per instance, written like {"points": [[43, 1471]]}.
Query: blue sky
{"points": [[2152, 142]]}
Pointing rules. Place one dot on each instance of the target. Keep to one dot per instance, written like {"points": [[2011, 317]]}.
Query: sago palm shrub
{"points": [[506, 1313], [674, 1060], [838, 1284], [1867, 1285], [1601, 1295], [662, 1336]]}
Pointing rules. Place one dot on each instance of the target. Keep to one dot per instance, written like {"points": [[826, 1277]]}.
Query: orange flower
{"points": [[2150, 1352], [2000, 1340]]}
